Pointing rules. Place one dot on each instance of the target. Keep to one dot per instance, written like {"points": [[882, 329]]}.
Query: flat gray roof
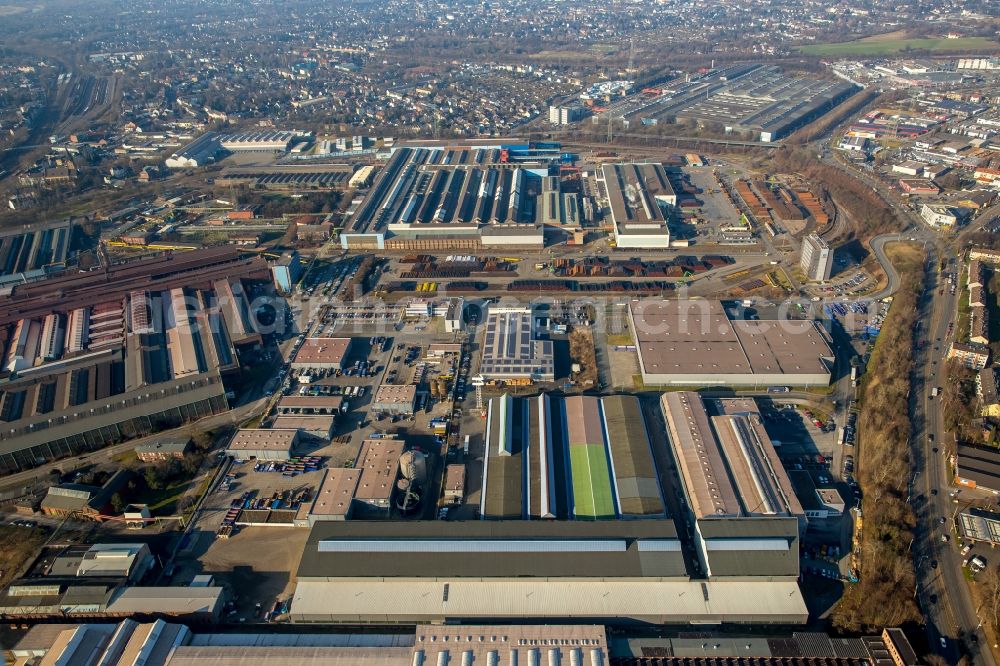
{"points": [[654, 601], [697, 337], [492, 549]]}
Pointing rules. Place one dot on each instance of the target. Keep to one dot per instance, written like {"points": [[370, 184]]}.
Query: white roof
{"points": [[674, 601]]}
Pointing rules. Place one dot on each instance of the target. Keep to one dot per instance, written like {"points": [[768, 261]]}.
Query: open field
{"points": [[17, 546], [876, 47]]}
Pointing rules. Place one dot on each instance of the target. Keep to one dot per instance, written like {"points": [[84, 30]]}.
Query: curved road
{"points": [[877, 245]]}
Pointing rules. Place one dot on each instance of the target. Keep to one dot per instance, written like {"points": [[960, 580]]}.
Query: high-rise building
{"points": [[817, 258], [566, 114]]}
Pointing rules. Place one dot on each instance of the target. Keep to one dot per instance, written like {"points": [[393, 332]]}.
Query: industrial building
{"points": [[977, 467], [200, 152], [169, 644], [163, 644], [577, 457], [322, 354], [746, 516], [621, 571], [310, 405], [511, 349], [263, 444], [817, 258], [752, 98], [639, 197], [699, 343], [264, 141], [479, 195], [395, 399], [290, 177], [379, 462], [33, 251], [142, 343], [367, 486], [319, 426], [84, 501], [100, 581], [59, 598]]}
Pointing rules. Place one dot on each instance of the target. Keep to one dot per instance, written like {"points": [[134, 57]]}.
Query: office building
{"points": [[817, 258]]}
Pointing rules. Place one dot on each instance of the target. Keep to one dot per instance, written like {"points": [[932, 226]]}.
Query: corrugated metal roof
{"points": [[638, 489]]}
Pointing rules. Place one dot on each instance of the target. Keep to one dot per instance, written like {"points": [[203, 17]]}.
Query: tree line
{"points": [[884, 597]]}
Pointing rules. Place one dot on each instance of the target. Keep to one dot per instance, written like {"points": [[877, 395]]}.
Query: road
{"points": [[942, 592], [954, 615], [877, 245]]}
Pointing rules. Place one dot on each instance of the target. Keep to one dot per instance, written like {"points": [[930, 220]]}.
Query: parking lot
{"points": [[805, 446]]}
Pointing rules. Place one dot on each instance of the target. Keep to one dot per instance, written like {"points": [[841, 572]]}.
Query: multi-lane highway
{"points": [[942, 591]]}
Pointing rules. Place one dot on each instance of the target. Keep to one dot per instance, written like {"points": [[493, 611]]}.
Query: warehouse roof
{"points": [[494, 549], [638, 489], [699, 458], [168, 600], [754, 466], [308, 422], [310, 402], [336, 490], [396, 394], [697, 337], [751, 546], [502, 472], [316, 351], [379, 464], [271, 439], [728, 462], [979, 464], [680, 601], [593, 496], [635, 192]]}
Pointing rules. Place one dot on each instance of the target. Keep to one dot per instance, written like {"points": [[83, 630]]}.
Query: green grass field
{"points": [[591, 482], [876, 47]]}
